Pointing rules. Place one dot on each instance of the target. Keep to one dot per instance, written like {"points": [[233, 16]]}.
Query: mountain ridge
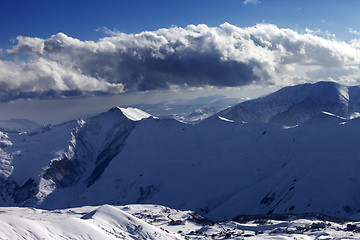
{"points": [[218, 168], [296, 104]]}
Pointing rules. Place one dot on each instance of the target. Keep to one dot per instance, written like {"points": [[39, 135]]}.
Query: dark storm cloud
{"points": [[195, 56]]}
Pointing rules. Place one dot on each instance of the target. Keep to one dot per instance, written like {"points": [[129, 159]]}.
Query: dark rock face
{"points": [[25, 192], [105, 157], [64, 172]]}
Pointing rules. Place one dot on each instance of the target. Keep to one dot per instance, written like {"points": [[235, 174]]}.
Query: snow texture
{"points": [[157, 222], [298, 104], [220, 168]]}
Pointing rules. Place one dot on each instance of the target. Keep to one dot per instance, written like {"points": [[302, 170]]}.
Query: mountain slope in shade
{"points": [[296, 104], [218, 168], [222, 169], [18, 125], [36, 163]]}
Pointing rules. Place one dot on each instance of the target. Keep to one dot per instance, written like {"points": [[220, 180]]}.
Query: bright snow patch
{"points": [[225, 119], [354, 115], [332, 115], [134, 113]]}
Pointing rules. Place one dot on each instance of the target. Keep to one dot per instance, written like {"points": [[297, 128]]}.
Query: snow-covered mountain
{"points": [[297, 104], [190, 110], [17, 125], [133, 222], [217, 167], [103, 222]]}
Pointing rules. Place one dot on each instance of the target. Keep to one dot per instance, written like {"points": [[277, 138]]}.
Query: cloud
{"points": [[195, 56], [44, 78], [246, 2], [354, 31]]}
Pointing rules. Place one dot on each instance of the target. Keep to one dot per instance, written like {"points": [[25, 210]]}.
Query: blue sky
{"points": [[81, 19], [122, 52]]}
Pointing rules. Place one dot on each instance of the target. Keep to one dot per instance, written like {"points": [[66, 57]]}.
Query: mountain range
{"points": [[296, 104], [190, 110], [293, 151]]}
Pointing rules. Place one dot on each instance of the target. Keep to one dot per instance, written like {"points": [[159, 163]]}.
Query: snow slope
{"points": [[36, 163], [222, 169], [217, 167], [103, 222], [158, 222], [134, 114], [17, 125], [297, 104]]}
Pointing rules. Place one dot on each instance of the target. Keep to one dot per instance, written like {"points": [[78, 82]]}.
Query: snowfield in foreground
{"points": [[157, 222]]}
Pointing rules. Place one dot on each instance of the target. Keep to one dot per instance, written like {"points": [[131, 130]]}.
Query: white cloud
{"points": [[354, 31], [245, 2], [355, 43], [192, 57], [320, 33]]}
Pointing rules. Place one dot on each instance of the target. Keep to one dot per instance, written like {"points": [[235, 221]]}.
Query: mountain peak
{"points": [[133, 114], [296, 104]]}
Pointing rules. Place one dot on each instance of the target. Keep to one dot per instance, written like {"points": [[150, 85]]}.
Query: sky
{"points": [[63, 59]]}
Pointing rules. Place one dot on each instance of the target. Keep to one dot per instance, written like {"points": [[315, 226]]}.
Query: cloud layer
{"points": [[195, 56]]}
